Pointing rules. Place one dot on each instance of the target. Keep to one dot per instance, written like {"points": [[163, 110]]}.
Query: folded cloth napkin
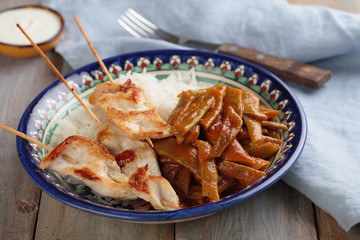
{"points": [[328, 170]]}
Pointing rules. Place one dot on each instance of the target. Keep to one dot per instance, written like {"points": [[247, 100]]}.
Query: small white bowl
{"points": [[16, 49]]}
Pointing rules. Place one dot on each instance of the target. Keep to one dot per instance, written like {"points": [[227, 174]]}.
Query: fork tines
{"points": [[138, 26]]}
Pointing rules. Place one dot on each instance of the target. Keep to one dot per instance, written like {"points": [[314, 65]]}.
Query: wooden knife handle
{"points": [[304, 74]]}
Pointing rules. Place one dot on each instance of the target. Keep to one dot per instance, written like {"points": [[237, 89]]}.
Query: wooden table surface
{"points": [[26, 213]]}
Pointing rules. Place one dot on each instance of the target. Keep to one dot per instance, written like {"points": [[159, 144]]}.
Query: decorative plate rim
{"points": [[162, 216]]}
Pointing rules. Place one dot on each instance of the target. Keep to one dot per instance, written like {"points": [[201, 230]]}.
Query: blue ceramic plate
{"points": [[56, 101]]}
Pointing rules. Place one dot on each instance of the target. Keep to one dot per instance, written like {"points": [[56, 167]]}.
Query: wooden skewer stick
{"points": [[101, 63], [169, 204], [147, 139], [61, 78], [24, 136]]}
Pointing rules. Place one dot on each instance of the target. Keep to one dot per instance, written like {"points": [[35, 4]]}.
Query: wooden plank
{"points": [[278, 213], [58, 221], [18, 195], [349, 5], [22, 80], [20, 83], [328, 228]]}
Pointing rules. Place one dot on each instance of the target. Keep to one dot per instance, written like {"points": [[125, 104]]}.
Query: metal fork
{"points": [[304, 74], [139, 27]]}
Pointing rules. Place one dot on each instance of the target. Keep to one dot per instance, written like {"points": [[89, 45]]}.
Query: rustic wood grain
{"points": [[278, 213], [349, 5], [58, 221], [328, 228], [21, 80]]}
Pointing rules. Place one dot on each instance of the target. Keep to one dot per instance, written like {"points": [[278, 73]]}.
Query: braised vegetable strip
{"points": [[245, 175], [254, 129], [209, 175], [192, 116], [233, 98], [223, 140], [251, 106], [231, 127], [218, 92], [182, 153]]}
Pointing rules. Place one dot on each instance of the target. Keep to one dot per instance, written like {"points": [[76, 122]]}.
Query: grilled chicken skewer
{"points": [[90, 162], [101, 63], [105, 179], [127, 109]]}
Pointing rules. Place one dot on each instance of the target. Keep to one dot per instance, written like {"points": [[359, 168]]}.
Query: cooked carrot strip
{"points": [[260, 164], [194, 114], [225, 183], [244, 134], [246, 143], [213, 132], [245, 175], [263, 150], [251, 106], [169, 168], [269, 112], [209, 175], [272, 124], [233, 98], [195, 194], [192, 135], [254, 129], [274, 133], [186, 98], [236, 153], [182, 154], [218, 92], [183, 179], [272, 139], [229, 130]]}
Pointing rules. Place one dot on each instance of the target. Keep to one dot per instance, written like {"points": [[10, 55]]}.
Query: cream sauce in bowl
{"points": [[40, 23]]}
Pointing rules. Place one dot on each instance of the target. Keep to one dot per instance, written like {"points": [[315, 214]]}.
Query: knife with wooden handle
{"points": [[304, 74]]}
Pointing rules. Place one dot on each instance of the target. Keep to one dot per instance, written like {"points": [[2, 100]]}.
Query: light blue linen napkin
{"points": [[328, 170]]}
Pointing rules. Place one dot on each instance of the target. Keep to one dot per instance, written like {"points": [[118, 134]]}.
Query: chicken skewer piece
{"points": [[162, 180], [101, 63], [130, 154], [126, 107], [90, 162], [78, 156]]}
